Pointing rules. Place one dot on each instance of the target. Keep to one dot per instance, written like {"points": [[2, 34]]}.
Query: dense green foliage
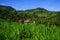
{"points": [[39, 15], [43, 25], [31, 31]]}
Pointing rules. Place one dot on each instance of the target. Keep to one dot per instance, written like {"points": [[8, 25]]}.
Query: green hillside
{"points": [[39, 15], [33, 24]]}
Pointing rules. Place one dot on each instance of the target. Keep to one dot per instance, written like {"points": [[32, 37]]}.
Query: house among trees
{"points": [[24, 21]]}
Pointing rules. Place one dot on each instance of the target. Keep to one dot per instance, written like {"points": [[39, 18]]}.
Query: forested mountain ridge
{"points": [[3, 7], [39, 15]]}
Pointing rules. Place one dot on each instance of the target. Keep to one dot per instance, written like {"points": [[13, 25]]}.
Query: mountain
{"points": [[3, 7], [37, 9], [39, 15]]}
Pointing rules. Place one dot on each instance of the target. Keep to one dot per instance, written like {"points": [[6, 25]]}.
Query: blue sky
{"points": [[52, 5]]}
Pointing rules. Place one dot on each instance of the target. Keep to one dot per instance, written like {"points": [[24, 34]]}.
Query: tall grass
{"points": [[30, 31]]}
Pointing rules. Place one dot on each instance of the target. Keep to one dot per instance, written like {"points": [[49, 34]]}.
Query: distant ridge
{"points": [[3, 7]]}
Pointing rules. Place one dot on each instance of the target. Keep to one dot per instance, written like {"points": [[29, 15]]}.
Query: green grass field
{"points": [[30, 31]]}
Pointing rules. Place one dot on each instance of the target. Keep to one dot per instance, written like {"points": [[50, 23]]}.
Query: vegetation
{"points": [[42, 24], [31, 31], [39, 15]]}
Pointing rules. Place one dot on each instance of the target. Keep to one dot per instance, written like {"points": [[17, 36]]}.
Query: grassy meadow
{"points": [[30, 31]]}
